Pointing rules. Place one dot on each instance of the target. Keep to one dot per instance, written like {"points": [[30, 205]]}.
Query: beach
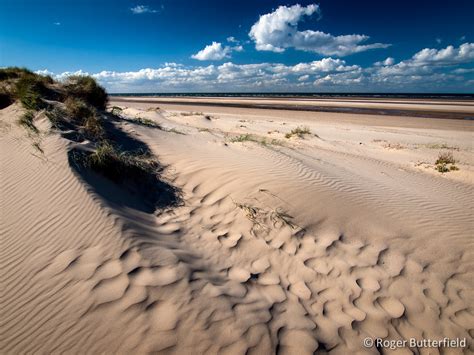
{"points": [[303, 226]]}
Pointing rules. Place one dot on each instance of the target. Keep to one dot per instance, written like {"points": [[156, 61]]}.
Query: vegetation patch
{"points": [[252, 138], [26, 120], [445, 162], [440, 146], [145, 122], [77, 108], [87, 89], [299, 132]]}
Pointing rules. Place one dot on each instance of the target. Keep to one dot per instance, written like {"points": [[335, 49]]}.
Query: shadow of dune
{"points": [[136, 188]]}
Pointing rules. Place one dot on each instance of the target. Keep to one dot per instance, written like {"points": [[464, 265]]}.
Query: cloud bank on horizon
{"points": [[425, 69], [278, 31]]}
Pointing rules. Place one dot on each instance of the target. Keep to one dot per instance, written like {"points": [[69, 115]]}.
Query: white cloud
{"points": [[387, 61], [232, 39], [278, 30], [447, 56], [216, 51], [57, 23], [426, 70], [439, 40], [142, 9]]}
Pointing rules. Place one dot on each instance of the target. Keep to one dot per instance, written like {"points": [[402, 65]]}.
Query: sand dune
{"points": [[289, 245]]}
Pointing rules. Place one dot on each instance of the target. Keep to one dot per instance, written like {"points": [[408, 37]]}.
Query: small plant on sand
{"points": [[445, 162], [146, 122], [115, 110], [441, 146], [281, 218], [445, 158], [298, 132], [26, 120], [252, 138]]}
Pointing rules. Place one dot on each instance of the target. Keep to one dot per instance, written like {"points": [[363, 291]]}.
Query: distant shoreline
{"points": [[342, 95], [339, 106]]}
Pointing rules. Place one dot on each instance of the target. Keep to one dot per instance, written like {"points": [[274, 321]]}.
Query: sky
{"points": [[245, 46]]}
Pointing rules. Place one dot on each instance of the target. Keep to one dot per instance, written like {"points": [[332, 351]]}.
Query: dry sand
{"points": [[282, 245]]}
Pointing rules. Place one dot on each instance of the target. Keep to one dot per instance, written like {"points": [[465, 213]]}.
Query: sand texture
{"points": [[281, 245]]}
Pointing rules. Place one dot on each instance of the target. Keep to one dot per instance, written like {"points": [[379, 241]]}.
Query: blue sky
{"points": [[212, 46]]}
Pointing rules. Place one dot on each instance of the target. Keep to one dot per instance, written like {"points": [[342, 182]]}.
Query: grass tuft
{"points": [[251, 138], [118, 165], [299, 132], [445, 162], [26, 120], [146, 122], [445, 158]]}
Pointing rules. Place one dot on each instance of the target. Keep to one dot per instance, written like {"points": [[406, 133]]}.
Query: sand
{"points": [[289, 245]]}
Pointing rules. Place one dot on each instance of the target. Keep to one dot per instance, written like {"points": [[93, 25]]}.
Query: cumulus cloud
{"points": [[429, 60], [278, 30], [215, 51], [142, 9], [387, 61]]}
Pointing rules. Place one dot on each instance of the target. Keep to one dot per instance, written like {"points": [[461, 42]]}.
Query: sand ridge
{"points": [[308, 244]]}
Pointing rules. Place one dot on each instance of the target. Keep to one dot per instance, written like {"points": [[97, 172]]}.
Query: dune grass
{"points": [[145, 122], [445, 162], [299, 132], [252, 138], [26, 120], [86, 89], [119, 165]]}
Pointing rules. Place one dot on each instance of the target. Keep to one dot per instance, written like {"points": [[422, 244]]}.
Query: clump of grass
{"points": [[115, 110], [77, 109], [251, 138], [87, 89], [253, 213], [30, 89], [146, 122], [445, 158], [13, 73], [118, 165], [440, 146], [299, 132], [281, 218], [92, 128], [191, 113], [26, 120], [445, 162], [57, 117], [243, 138]]}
